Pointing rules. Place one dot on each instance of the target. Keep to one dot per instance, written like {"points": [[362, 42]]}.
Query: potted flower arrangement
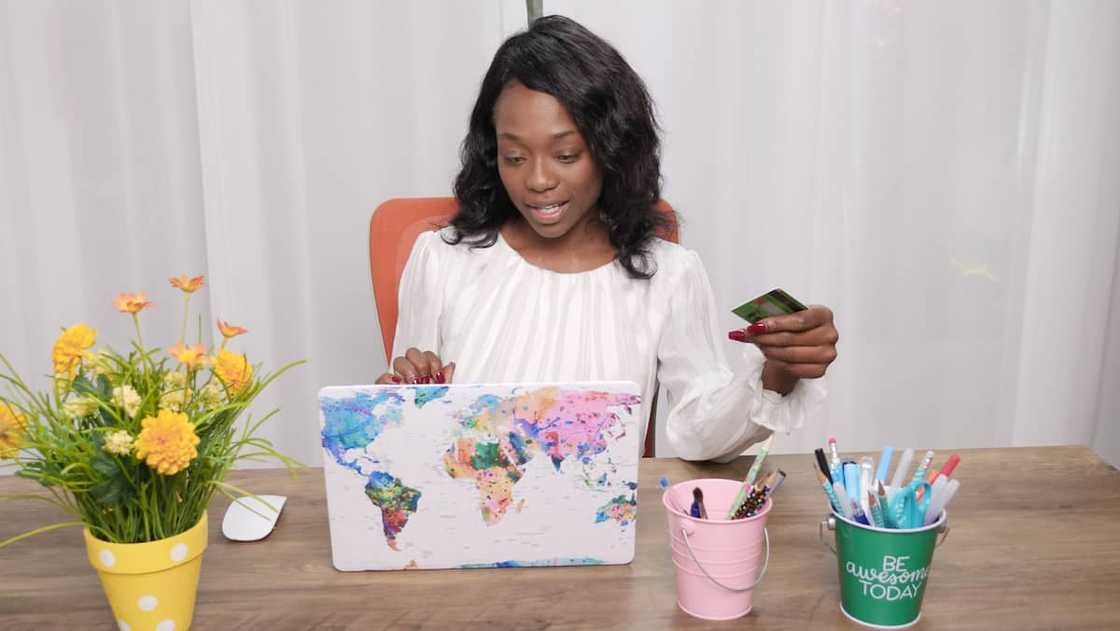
{"points": [[133, 446]]}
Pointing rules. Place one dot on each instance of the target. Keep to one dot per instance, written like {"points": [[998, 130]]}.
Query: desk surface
{"points": [[1035, 544]]}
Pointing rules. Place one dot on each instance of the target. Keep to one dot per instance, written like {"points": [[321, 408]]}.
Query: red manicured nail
{"points": [[439, 377], [756, 328], [412, 380], [426, 380], [395, 379], [737, 335]]}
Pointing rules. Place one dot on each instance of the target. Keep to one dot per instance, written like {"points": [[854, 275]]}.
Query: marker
{"points": [[866, 475], [946, 469], [884, 464], [900, 471], [781, 477]]}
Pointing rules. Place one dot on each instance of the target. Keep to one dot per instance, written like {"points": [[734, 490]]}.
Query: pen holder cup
{"points": [[883, 572], [719, 562]]}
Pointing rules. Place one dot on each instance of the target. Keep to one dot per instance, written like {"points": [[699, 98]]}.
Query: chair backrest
{"points": [[393, 229]]}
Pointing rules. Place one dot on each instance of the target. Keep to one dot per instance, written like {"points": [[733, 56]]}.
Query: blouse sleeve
{"points": [[420, 298], [718, 406]]}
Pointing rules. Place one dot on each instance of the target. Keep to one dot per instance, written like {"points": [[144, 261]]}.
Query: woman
{"points": [[551, 270]]}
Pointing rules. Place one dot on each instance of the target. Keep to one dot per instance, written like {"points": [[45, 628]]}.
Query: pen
{"points": [[884, 464], [923, 466], [664, 482], [822, 464], [698, 509], [842, 497], [900, 471], [748, 483], [851, 480], [836, 467], [832, 499], [876, 512]]}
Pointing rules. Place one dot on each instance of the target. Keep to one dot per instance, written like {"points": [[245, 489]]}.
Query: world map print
{"points": [[547, 451]]}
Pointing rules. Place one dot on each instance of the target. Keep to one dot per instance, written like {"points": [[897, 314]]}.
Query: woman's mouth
{"points": [[548, 214]]}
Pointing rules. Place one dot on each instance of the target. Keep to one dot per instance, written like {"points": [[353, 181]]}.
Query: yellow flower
{"points": [[187, 284], [118, 443], [175, 400], [190, 356], [234, 371], [80, 407], [126, 397], [211, 395], [167, 442], [69, 349], [131, 303], [13, 425], [228, 330]]}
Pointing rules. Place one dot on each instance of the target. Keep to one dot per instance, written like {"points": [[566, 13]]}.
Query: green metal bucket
{"points": [[883, 571]]}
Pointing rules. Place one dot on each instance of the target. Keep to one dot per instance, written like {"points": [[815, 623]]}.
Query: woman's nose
{"points": [[540, 178]]}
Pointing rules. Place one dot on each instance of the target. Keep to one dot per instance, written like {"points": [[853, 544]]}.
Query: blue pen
{"points": [[884, 463]]}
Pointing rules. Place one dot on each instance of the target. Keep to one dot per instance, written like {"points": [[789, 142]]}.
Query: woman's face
{"points": [[544, 163]]}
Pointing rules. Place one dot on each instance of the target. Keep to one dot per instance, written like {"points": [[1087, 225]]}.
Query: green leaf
{"points": [[83, 386]]}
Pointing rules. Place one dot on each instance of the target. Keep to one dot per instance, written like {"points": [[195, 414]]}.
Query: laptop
{"points": [[481, 476]]}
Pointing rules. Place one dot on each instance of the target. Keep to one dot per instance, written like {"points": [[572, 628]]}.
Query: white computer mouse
{"points": [[248, 519]]}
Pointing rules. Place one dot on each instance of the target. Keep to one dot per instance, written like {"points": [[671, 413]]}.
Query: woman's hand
{"points": [[422, 367], [797, 346]]}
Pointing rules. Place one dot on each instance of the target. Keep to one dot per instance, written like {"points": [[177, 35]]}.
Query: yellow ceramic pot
{"points": [[151, 585]]}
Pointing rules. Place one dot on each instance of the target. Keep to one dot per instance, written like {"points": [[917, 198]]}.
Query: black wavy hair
{"points": [[612, 109]]}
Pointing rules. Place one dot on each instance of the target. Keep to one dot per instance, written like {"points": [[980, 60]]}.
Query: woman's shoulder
{"points": [[673, 260]]}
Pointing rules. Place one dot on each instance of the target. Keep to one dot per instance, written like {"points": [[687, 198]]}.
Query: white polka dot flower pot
{"points": [[151, 585]]}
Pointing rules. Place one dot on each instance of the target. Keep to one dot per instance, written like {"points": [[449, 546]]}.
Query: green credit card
{"points": [[772, 303]]}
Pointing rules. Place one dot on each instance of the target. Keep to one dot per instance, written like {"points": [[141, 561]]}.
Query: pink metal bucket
{"points": [[718, 561]]}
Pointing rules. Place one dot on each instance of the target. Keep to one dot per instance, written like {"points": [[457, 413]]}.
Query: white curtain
{"points": [[943, 174]]}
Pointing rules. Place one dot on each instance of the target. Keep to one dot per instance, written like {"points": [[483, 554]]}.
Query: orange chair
{"points": [[393, 229]]}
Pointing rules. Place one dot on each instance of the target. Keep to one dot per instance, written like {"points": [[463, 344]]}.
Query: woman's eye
{"points": [[514, 159], [569, 157]]}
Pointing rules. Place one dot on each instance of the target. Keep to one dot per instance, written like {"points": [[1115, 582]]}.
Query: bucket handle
{"points": [[830, 523], [765, 564]]}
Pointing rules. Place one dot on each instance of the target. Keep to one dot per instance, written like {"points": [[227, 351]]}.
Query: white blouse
{"points": [[502, 319]]}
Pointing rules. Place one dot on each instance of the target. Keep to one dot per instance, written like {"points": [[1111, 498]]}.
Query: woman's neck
{"points": [[583, 248]]}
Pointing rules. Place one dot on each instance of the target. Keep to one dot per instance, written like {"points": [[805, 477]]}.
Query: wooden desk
{"points": [[1035, 544]]}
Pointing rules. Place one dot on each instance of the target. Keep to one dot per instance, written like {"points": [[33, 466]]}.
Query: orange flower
{"points": [[13, 426], [131, 303], [187, 284], [228, 330], [190, 356], [234, 371]]}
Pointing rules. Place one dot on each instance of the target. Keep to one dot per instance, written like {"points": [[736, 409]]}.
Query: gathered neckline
{"points": [[595, 270]]}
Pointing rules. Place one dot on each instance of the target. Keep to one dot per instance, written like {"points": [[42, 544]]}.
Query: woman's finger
{"points": [[388, 379], [448, 372], [421, 366], [820, 336], [806, 320], [406, 369], [800, 354], [433, 365]]}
